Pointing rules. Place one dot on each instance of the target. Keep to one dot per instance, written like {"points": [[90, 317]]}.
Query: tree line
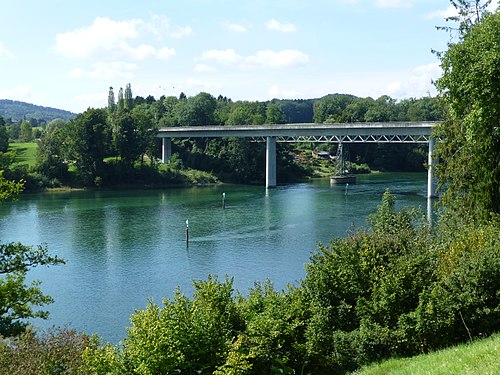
{"points": [[117, 143]]}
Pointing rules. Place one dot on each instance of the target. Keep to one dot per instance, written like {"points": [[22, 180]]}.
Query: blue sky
{"points": [[66, 54]]}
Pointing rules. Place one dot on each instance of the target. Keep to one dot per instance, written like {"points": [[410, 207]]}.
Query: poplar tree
{"points": [[129, 101], [111, 100], [121, 104]]}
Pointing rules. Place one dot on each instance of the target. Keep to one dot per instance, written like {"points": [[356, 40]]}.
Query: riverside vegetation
{"points": [[395, 289]]}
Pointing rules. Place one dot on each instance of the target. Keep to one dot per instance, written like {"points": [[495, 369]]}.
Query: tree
{"points": [[90, 137], [4, 136], [469, 154], [121, 101], [469, 12], [16, 298], [197, 110], [51, 152], [9, 189], [26, 132], [129, 100], [111, 100], [274, 114]]}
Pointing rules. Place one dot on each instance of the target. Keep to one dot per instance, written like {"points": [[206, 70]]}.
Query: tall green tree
{"points": [[51, 153], [26, 132], [128, 98], [111, 100], [89, 144], [4, 136], [121, 101], [469, 154], [274, 114]]}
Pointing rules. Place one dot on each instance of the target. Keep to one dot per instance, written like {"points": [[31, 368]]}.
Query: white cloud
{"points": [[225, 57], [237, 28], [279, 59], [394, 3], [106, 71], [287, 58], [110, 40], [284, 27], [18, 92], [198, 84], [165, 53], [91, 100], [159, 25], [417, 84], [204, 68], [277, 92], [4, 52], [103, 35], [182, 32], [442, 14]]}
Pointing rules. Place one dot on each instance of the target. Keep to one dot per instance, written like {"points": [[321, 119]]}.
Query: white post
{"points": [[431, 186], [270, 162], [166, 149]]}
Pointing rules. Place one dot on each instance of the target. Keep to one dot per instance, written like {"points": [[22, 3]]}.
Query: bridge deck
{"points": [[411, 132]]}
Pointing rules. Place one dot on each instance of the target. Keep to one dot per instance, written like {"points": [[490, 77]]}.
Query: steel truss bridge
{"points": [[366, 132]]}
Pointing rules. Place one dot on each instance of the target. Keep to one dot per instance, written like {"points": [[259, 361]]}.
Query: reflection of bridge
{"points": [[374, 132]]}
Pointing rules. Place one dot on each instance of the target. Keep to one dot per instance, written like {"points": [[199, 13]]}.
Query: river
{"points": [[125, 247]]}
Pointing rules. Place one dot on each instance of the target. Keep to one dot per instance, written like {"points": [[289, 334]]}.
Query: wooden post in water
{"points": [[223, 200], [187, 232]]}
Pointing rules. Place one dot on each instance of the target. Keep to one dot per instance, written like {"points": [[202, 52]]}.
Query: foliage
{"points": [[88, 144], [4, 136], [469, 154], [9, 189], [184, 336], [52, 151], [16, 298], [469, 13], [57, 351]]}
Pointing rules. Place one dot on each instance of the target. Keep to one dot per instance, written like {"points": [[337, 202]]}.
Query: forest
{"points": [[398, 288]]}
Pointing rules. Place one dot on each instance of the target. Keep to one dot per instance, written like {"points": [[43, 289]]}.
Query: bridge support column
{"points": [[270, 162], [431, 184], [166, 149]]}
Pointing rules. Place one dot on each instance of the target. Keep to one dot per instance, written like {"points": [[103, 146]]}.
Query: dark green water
{"points": [[124, 247]]}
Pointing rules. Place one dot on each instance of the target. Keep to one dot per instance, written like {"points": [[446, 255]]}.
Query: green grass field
{"points": [[25, 152], [480, 357]]}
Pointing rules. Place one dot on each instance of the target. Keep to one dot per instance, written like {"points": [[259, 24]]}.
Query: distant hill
{"points": [[16, 111]]}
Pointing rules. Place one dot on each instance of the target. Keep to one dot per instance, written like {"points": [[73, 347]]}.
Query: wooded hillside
{"points": [[16, 111]]}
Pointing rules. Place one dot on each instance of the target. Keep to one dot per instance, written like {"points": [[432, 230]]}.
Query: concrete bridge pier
{"points": [[270, 162], [431, 183], [166, 149]]}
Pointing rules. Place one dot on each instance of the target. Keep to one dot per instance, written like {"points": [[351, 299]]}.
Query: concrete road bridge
{"points": [[362, 132]]}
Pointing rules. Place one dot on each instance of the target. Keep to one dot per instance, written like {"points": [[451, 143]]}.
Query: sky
{"points": [[67, 53]]}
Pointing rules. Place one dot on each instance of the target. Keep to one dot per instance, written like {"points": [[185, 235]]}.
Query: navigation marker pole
{"points": [[187, 232], [223, 200], [346, 187]]}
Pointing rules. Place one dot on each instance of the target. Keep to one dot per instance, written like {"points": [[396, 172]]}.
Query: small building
{"points": [[321, 155]]}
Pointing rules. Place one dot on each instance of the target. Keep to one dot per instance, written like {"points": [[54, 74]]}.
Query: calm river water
{"points": [[123, 247]]}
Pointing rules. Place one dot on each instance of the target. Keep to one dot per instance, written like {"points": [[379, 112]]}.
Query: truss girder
{"points": [[349, 139]]}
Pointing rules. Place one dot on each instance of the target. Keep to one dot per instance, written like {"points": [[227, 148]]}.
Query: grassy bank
{"points": [[25, 152], [479, 357]]}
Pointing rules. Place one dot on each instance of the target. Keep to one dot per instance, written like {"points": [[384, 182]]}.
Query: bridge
{"points": [[361, 132]]}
